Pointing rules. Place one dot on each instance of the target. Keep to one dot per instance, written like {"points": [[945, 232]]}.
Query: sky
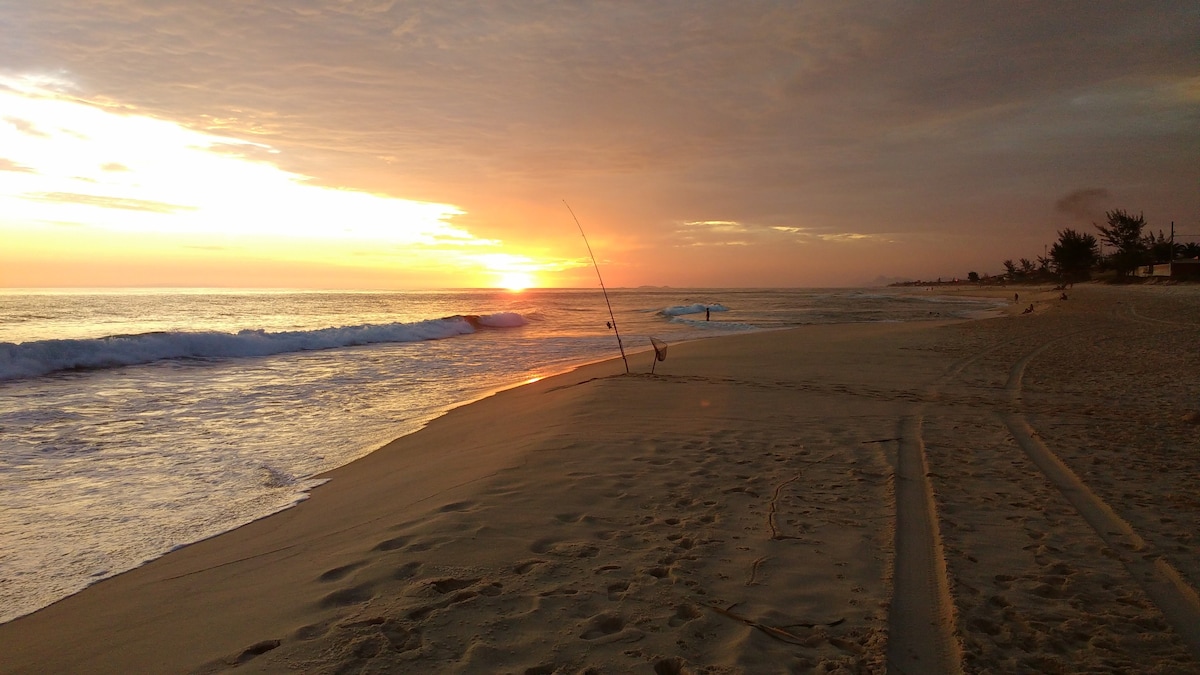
{"points": [[390, 144]]}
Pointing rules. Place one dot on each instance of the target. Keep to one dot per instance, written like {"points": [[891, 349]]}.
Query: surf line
{"points": [[613, 318]]}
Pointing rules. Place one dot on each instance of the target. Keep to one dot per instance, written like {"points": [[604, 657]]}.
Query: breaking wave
{"points": [[41, 357], [697, 308]]}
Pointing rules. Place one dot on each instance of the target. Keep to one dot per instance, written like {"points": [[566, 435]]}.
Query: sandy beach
{"points": [[1015, 494]]}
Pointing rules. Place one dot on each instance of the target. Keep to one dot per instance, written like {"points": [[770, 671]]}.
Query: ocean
{"points": [[134, 422]]}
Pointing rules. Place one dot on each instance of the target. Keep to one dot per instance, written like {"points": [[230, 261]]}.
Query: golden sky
{"points": [[391, 144]]}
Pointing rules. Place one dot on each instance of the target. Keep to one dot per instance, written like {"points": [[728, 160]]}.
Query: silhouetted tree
{"points": [[1124, 233], [1160, 248], [1043, 265], [973, 277], [1190, 250], [1074, 254], [1010, 269]]}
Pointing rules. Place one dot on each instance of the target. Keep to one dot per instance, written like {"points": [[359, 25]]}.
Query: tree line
{"points": [[1076, 255]]}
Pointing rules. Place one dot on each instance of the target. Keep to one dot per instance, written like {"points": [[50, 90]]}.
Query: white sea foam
{"points": [[697, 308], [503, 320], [31, 359]]}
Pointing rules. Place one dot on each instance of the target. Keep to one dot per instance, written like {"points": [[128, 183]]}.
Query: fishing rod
{"points": [[613, 323]]}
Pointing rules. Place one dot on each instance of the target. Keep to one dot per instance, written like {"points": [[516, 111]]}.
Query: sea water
{"points": [[133, 422]]}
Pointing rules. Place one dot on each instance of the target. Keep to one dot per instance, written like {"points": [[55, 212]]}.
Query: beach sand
{"points": [[1015, 494]]}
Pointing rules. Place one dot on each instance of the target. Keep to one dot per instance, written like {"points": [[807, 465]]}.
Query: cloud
{"points": [[1084, 204], [105, 202], [26, 127], [884, 121], [589, 88], [10, 165], [733, 233]]}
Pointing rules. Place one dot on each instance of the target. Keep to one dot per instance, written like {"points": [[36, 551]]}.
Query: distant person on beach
{"points": [[1016, 298], [706, 314], [1063, 296], [1029, 309]]}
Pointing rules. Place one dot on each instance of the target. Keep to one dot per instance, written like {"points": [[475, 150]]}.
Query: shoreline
{"points": [[37, 574], [744, 493]]}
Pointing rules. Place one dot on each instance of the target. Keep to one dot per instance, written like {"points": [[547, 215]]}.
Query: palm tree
{"points": [[1160, 248], [1124, 233], [1074, 254]]}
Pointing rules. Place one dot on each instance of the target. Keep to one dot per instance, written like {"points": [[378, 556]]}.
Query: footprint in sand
{"points": [[683, 614], [659, 572], [601, 625], [406, 571], [985, 626], [340, 572], [419, 614], [256, 649], [392, 544], [443, 586], [573, 549], [401, 639], [523, 568], [745, 491], [348, 596], [311, 631], [672, 666], [543, 545]]}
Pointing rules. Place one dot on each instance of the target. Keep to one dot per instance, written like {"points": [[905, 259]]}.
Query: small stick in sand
{"points": [[777, 633], [771, 512], [754, 571]]}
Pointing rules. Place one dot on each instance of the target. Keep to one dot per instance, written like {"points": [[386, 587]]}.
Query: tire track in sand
{"points": [[921, 620], [1166, 588]]}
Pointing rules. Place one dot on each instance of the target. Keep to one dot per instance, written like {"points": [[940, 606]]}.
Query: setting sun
{"points": [[515, 281]]}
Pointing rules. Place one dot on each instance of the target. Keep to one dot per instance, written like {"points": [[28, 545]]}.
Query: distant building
{"points": [[1155, 270], [1186, 268]]}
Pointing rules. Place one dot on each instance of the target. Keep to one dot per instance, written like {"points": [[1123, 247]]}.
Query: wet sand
{"points": [[1006, 495]]}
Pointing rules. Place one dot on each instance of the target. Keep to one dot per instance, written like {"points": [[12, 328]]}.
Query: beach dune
{"points": [[1011, 494]]}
